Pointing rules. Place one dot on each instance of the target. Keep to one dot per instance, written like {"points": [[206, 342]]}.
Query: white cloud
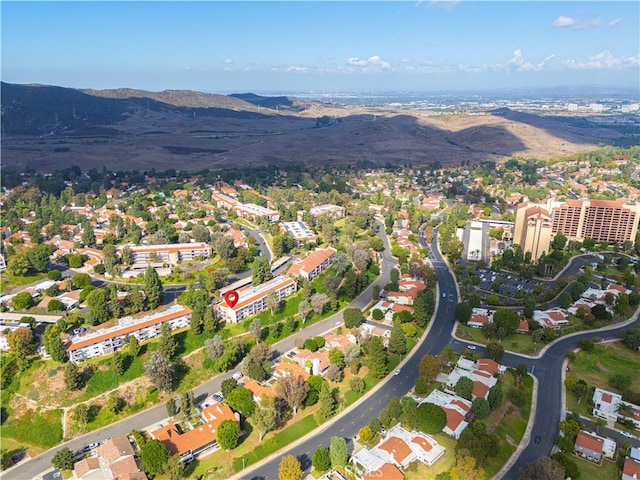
{"points": [[615, 22], [445, 4], [603, 60], [297, 69], [568, 22], [228, 61], [563, 21], [518, 64], [372, 64]]}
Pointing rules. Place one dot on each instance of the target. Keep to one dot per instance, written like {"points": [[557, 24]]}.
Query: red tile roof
{"points": [[586, 440], [387, 471], [631, 468], [397, 448]]}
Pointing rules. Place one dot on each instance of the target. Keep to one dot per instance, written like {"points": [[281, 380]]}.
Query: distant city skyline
{"points": [[242, 46]]}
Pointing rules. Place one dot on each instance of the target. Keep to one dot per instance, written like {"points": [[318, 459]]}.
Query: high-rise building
{"points": [[607, 221]]}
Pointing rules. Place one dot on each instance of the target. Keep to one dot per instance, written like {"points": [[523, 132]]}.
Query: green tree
{"points": [[38, 257], [464, 388], [338, 452], [81, 280], [53, 344], [495, 350], [261, 271], [228, 434], [110, 260], [294, 390], [477, 442], [152, 288], [265, 417], [176, 468], [480, 408], [565, 300], [22, 301], [19, 264], [72, 376], [97, 308], [377, 358], [431, 418], [133, 345], [397, 340], [159, 371], [352, 317], [336, 357], [327, 401], [88, 237], [154, 455], [63, 459], [463, 312], [117, 363], [290, 468], [167, 345], [241, 400], [506, 319], [495, 396], [321, 460]]}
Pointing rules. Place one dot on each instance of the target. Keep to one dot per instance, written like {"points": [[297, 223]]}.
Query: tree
{"points": [[273, 302], [117, 363], [480, 408], [88, 237], [477, 442], [38, 257], [214, 347], [321, 459], [264, 418], [464, 388], [172, 407], [53, 344], [495, 350], [357, 384], [110, 260], [631, 338], [152, 288], [55, 305], [495, 396], [327, 401], [293, 389], [431, 418], [261, 271], [365, 434], [72, 377], [167, 344], [565, 300], [114, 403], [352, 317], [290, 468], [241, 400], [97, 308], [227, 434], [304, 310], [423, 306], [257, 365], [159, 371], [133, 345], [463, 312], [506, 319], [332, 285], [338, 452], [209, 322], [63, 459], [19, 264], [22, 301], [466, 468], [154, 455], [176, 468], [569, 465], [542, 468], [20, 341], [318, 301], [517, 397], [377, 358], [397, 340]]}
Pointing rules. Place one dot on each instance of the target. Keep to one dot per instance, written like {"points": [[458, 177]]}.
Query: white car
{"points": [[397, 372], [626, 434], [471, 347], [237, 376]]}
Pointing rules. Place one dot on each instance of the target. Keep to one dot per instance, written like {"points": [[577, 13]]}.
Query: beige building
{"points": [[608, 221]]}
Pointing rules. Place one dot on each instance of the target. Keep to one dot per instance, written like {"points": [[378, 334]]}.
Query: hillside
{"points": [[46, 128]]}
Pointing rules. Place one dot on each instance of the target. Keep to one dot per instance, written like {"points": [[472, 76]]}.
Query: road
{"points": [[32, 467]]}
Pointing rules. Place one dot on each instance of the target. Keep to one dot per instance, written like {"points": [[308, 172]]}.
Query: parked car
{"points": [[471, 347], [237, 376], [626, 434]]}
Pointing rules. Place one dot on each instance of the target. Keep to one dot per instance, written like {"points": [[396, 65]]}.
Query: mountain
{"points": [[47, 128]]}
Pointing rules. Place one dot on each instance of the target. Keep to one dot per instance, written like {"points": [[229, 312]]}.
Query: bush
{"points": [[54, 275], [517, 397], [377, 314]]}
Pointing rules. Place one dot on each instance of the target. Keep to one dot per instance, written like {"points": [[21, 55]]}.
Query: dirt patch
{"points": [[508, 409]]}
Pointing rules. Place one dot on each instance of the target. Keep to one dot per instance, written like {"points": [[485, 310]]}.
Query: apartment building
{"points": [[300, 232], [256, 212], [253, 299], [313, 264], [609, 221], [328, 209], [107, 340], [168, 254]]}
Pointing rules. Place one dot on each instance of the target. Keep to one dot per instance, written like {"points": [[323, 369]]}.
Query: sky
{"points": [[243, 46]]}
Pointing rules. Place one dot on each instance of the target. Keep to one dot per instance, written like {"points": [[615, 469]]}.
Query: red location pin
{"points": [[231, 297]]}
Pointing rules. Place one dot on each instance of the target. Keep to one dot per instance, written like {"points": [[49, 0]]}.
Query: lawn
{"points": [[10, 281], [419, 471], [606, 360], [38, 428], [591, 471]]}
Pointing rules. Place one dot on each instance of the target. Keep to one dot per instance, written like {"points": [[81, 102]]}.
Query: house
{"points": [[171, 254], [334, 210], [399, 448], [7, 326], [553, 318], [191, 443], [388, 471], [610, 406], [593, 447], [300, 232], [631, 469], [313, 264], [114, 460], [523, 327], [457, 409]]}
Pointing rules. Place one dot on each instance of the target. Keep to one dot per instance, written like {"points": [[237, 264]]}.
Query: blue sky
{"points": [[321, 46]]}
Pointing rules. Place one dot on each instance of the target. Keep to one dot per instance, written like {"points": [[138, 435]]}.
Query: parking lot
{"points": [[506, 284]]}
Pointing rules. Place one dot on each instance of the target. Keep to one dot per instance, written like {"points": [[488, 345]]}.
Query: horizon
{"points": [[398, 46]]}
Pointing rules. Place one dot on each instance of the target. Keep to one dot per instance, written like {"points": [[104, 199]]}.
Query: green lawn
{"points": [[591, 471], [10, 281], [40, 428], [419, 471]]}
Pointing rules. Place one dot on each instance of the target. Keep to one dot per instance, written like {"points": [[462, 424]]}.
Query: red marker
{"points": [[231, 297]]}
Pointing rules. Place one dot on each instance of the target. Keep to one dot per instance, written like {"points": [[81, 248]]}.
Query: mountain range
{"points": [[47, 127]]}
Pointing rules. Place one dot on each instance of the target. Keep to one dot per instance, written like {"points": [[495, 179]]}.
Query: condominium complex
{"points": [[253, 299], [313, 264], [246, 209], [609, 221], [168, 254], [107, 340], [334, 210], [300, 232]]}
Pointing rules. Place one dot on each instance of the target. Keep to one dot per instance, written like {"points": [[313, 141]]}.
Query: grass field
{"points": [[41, 429], [591, 471]]}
